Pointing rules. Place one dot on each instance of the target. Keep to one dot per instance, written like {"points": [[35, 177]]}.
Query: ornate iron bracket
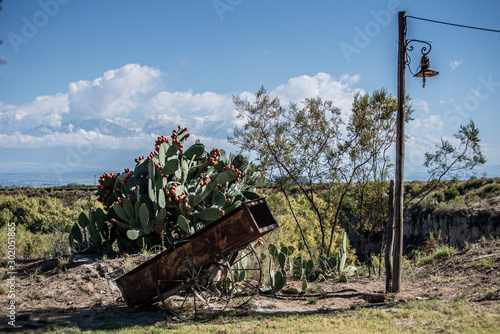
{"points": [[425, 50]]}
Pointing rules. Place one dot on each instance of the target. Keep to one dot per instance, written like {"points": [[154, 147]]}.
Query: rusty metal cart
{"points": [[215, 267]]}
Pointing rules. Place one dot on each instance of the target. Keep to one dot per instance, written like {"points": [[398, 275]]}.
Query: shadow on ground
{"points": [[119, 317]]}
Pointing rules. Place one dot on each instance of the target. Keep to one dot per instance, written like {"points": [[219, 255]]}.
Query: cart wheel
{"points": [[194, 281], [247, 274]]}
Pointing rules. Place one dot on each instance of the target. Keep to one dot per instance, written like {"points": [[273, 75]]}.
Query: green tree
{"points": [[291, 145], [451, 162], [306, 147], [371, 132]]}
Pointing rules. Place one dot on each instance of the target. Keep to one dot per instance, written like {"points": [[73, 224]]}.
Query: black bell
{"points": [[425, 70]]}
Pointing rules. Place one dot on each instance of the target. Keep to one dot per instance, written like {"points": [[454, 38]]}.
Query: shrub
{"points": [[42, 214], [42, 224], [474, 184], [35, 245], [489, 190], [289, 234], [439, 196], [413, 188], [36, 214], [488, 262], [451, 193]]}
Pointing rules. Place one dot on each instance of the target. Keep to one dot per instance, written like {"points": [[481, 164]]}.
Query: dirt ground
{"points": [[81, 292]]}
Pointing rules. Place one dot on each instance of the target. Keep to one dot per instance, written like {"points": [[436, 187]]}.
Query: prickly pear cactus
{"points": [[95, 231], [278, 278], [342, 256], [173, 192]]}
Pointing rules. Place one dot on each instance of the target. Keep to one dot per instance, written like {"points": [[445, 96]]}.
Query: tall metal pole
{"points": [[400, 155]]}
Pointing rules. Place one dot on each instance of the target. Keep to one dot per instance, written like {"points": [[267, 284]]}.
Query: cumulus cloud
{"points": [[208, 113], [111, 96], [128, 101], [422, 105], [46, 110], [184, 105], [114, 94], [423, 135], [190, 103], [125, 109], [340, 91], [429, 127]]}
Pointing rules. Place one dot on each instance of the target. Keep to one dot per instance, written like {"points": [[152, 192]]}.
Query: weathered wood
{"points": [[389, 239], [400, 157]]}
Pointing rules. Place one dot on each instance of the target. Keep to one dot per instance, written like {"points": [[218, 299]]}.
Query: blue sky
{"points": [[88, 85]]}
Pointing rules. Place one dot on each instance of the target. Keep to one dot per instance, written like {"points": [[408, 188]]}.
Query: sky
{"points": [[87, 86]]}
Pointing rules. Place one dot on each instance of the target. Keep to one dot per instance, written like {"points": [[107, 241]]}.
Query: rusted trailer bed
{"points": [[202, 273]]}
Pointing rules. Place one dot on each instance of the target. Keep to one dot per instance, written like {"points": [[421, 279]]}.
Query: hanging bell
{"points": [[425, 70]]}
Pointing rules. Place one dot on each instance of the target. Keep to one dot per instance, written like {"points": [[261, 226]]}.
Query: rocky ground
{"points": [[80, 291]]}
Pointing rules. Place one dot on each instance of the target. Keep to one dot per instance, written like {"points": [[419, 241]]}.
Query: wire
{"points": [[453, 24]]}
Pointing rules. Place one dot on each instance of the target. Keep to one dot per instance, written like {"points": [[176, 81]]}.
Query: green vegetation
{"points": [[321, 174], [289, 235], [66, 193], [487, 262], [312, 300], [438, 254], [37, 215], [414, 317], [342, 172], [35, 245], [42, 224], [304, 149], [456, 194]]}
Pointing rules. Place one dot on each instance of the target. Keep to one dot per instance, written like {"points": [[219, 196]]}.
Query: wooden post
{"points": [[389, 240], [400, 156]]}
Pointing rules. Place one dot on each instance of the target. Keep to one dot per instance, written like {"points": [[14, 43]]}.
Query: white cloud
{"points": [[83, 142], [125, 109], [341, 91], [423, 135], [114, 94], [454, 64], [213, 115], [492, 153], [187, 104], [206, 114], [127, 105], [421, 105], [426, 127], [46, 110], [434, 123]]}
